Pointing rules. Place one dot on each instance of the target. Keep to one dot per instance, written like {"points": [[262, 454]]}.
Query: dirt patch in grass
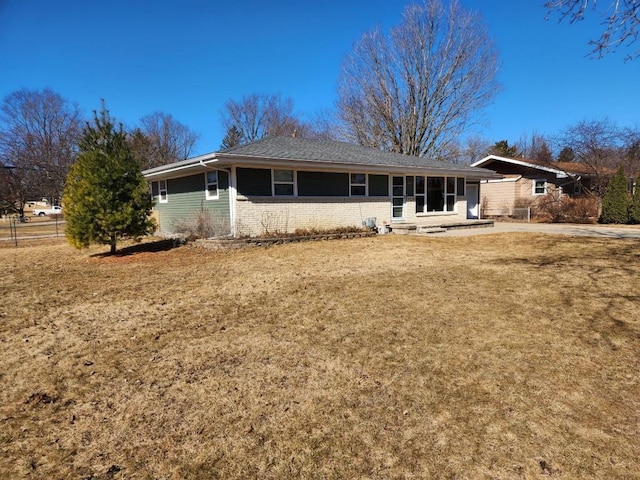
{"points": [[499, 356]]}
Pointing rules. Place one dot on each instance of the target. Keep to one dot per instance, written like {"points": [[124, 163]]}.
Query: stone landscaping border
{"points": [[231, 243]]}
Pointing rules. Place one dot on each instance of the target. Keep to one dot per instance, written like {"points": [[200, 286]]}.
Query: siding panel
{"points": [[186, 197]]}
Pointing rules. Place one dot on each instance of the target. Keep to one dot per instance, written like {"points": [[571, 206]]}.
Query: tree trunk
{"points": [[113, 245]]}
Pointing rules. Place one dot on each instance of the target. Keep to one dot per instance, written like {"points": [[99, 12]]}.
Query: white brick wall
{"points": [[266, 214], [435, 218], [256, 216]]}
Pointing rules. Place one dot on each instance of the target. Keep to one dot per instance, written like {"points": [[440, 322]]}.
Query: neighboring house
{"points": [[525, 182], [281, 184]]}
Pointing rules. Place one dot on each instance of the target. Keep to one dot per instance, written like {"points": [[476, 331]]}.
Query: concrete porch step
{"points": [[431, 229], [403, 228], [425, 230]]}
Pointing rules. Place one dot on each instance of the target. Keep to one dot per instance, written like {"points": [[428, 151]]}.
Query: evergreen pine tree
{"points": [[566, 155], [232, 138], [106, 197], [634, 211], [503, 149], [615, 203]]}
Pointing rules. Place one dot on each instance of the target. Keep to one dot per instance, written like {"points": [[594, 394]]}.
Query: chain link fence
{"points": [[14, 228]]}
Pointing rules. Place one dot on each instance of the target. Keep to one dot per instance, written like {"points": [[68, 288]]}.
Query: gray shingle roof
{"points": [[320, 152], [289, 148]]}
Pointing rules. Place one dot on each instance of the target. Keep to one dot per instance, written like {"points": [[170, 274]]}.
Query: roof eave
{"points": [[200, 163], [476, 173], [490, 158], [171, 168]]}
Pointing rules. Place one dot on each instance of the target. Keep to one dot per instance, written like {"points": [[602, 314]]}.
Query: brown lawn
{"points": [[499, 356], [36, 226]]}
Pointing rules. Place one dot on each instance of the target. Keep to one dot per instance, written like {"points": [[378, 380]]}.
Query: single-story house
{"points": [[280, 184], [525, 182]]}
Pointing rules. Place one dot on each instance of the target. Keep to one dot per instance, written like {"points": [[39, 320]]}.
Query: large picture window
{"points": [[435, 194]]}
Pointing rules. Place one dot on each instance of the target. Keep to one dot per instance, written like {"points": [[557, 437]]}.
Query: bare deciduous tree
{"points": [[324, 125], [8, 203], [417, 89], [600, 146], [161, 139], [468, 150], [620, 20], [39, 132], [632, 151], [257, 116], [536, 147]]}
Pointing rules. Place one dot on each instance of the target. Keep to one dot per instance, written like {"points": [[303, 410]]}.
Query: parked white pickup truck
{"points": [[41, 212]]}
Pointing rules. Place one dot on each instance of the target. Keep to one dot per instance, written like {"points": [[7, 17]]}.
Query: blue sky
{"points": [[188, 57]]}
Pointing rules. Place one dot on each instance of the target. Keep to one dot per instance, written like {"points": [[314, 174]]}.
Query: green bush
{"points": [[634, 210], [615, 203]]}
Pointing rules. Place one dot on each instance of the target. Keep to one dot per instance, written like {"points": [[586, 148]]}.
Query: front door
{"points": [[473, 200], [397, 198]]}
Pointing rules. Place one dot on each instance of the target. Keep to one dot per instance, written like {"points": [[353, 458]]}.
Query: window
{"points": [[322, 184], [420, 197], [378, 185], [397, 197], [254, 181], [162, 192], [451, 194], [358, 184], [460, 187], [283, 182], [539, 187], [576, 189], [409, 185], [436, 194], [211, 193]]}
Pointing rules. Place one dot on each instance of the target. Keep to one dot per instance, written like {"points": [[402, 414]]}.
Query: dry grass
{"points": [[34, 227], [499, 356]]}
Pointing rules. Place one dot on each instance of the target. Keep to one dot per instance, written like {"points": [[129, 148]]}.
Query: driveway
{"points": [[602, 231]]}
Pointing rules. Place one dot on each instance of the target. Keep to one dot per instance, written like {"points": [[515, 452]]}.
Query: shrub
{"points": [[567, 209], [308, 232], [548, 208], [200, 224]]}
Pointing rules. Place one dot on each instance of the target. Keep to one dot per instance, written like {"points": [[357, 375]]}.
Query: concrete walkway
{"points": [[602, 231]]}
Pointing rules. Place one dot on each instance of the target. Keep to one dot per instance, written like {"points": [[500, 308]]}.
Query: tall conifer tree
{"points": [[106, 197], [615, 203], [634, 211]]}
